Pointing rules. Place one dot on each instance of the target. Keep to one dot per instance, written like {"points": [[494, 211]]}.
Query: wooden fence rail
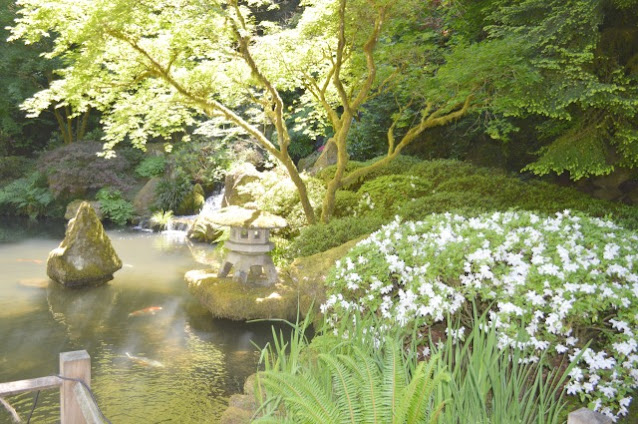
{"points": [[74, 381]]}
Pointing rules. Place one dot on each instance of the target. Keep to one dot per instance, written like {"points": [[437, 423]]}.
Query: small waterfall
{"points": [[178, 227], [213, 203]]}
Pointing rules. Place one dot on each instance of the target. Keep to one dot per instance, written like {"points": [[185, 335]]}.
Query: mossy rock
{"points": [[146, 197], [72, 209], [85, 257], [234, 415], [227, 299], [302, 288], [193, 202]]}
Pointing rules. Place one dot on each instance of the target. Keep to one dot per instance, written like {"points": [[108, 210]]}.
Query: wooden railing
{"points": [[77, 405]]}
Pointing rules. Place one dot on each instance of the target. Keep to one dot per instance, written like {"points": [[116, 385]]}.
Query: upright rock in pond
{"points": [[85, 257]]}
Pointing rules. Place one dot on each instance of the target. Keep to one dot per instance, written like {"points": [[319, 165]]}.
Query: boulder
{"points": [[72, 209], [146, 197], [328, 157], [236, 178], [193, 202], [307, 162], [85, 257]]}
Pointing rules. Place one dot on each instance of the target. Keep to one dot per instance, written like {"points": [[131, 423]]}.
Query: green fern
{"points": [[352, 384]]}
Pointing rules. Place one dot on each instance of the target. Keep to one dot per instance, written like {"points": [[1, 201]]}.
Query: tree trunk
{"points": [[301, 189], [328, 205]]}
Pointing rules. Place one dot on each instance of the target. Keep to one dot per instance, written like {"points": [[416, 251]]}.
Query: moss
{"points": [[302, 287], [225, 298], [235, 415]]}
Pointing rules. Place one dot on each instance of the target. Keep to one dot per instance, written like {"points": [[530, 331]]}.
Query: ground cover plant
{"points": [[559, 281], [349, 374]]}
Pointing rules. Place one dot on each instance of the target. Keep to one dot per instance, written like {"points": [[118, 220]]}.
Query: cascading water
{"points": [[178, 227], [213, 203]]}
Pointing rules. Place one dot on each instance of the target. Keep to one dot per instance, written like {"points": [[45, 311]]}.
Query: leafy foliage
{"points": [[206, 162], [349, 382], [118, 210], [76, 169], [152, 166], [277, 194], [14, 167], [490, 384], [172, 190], [27, 196]]}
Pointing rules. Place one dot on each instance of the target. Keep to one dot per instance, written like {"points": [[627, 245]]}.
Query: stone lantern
{"points": [[248, 244]]}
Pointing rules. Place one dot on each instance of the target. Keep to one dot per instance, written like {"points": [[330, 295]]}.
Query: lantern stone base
{"points": [[249, 267]]}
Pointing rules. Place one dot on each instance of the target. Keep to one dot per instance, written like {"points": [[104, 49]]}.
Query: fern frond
{"points": [[346, 389], [302, 396], [370, 383]]}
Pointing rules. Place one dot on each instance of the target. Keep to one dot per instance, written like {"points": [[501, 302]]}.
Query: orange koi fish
{"points": [[33, 261], [146, 362], [151, 310]]}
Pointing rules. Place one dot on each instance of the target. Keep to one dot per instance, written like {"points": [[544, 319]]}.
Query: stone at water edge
{"points": [[72, 209], [85, 257]]}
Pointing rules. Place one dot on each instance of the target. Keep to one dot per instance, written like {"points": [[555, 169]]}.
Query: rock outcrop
{"points": [[146, 197], [193, 202], [235, 179], [72, 209], [85, 257]]}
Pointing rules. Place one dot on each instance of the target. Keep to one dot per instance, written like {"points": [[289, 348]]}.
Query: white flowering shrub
{"points": [[565, 285]]}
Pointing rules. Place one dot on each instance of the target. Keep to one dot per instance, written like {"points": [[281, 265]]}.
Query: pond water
{"points": [[203, 361]]}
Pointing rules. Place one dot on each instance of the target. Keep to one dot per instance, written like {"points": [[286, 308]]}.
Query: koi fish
{"points": [[40, 283], [146, 362], [32, 261], [151, 310]]}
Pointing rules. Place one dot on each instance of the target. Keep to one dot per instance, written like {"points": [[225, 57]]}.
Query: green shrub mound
{"points": [[152, 166], [388, 193], [549, 283], [321, 237]]}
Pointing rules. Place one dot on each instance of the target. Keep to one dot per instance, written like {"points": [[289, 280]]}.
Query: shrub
{"points": [[14, 167], [114, 207], [172, 190], [74, 169], [346, 203], [400, 165], [387, 193], [205, 163], [321, 237], [151, 166], [559, 282], [28, 196]]}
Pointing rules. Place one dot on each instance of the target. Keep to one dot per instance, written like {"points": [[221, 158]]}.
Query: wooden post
{"points": [[77, 365]]}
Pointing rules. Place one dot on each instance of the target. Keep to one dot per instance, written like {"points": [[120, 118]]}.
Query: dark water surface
{"points": [[204, 360]]}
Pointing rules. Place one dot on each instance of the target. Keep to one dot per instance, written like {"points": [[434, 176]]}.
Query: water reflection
{"points": [[204, 360]]}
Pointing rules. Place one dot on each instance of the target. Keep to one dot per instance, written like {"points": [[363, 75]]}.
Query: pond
{"points": [[200, 361]]}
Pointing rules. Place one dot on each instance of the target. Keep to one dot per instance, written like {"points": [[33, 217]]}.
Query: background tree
{"points": [[151, 68], [23, 72], [581, 105]]}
